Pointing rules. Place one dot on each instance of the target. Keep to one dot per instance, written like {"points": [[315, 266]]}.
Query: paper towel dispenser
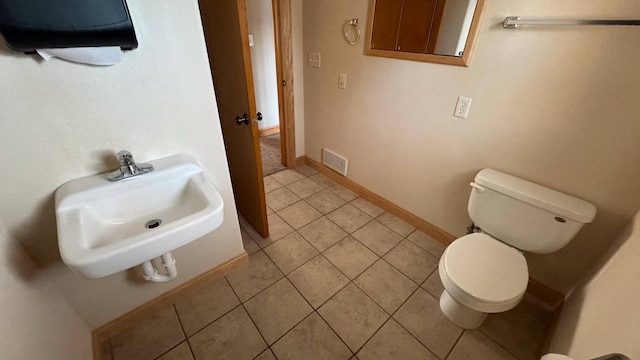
{"points": [[27, 25]]}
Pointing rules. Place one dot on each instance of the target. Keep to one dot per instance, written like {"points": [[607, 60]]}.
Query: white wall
{"points": [[602, 316], [263, 61], [37, 323], [557, 106], [63, 121], [455, 25]]}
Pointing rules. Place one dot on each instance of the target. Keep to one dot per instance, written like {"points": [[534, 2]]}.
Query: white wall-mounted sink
{"points": [[105, 227]]}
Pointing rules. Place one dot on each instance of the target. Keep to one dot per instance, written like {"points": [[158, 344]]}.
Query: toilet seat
{"points": [[483, 273]]}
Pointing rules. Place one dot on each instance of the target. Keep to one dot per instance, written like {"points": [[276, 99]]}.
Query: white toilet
{"points": [[485, 272]]}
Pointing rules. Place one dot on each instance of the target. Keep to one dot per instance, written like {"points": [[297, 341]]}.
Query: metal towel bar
{"points": [[514, 22]]}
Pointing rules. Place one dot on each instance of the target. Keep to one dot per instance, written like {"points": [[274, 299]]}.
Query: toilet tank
{"points": [[525, 215]]}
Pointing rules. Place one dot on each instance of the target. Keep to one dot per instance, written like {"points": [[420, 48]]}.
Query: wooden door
{"points": [[415, 25], [227, 37], [386, 23]]}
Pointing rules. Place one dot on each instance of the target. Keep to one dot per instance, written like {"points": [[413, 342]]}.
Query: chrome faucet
{"points": [[128, 167]]}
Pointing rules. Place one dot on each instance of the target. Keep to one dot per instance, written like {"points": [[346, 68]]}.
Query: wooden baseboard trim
{"points": [[300, 160], [420, 224], [546, 295], [269, 131], [127, 320]]}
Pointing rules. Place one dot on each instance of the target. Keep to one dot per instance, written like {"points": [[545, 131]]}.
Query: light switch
{"points": [[250, 40], [462, 107], [314, 59], [342, 81]]}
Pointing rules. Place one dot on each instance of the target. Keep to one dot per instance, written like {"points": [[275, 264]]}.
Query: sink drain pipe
{"points": [[168, 263]]}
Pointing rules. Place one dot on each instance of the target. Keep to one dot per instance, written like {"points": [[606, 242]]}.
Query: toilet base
{"points": [[459, 314]]}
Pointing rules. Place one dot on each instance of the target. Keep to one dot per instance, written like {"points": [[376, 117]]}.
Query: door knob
{"points": [[258, 117], [242, 119]]}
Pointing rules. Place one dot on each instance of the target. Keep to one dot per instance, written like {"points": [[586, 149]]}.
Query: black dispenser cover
{"points": [[27, 25]]}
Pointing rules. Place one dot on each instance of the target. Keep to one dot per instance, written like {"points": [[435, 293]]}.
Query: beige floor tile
{"points": [[325, 201], [318, 280], [421, 315], [385, 285], [353, 316], [243, 221], [232, 337], [254, 277], [250, 246], [349, 218], [305, 187], [281, 198], [278, 229], [266, 355], [206, 305], [433, 285], [322, 233], [521, 330], [412, 261], [367, 207], [377, 237], [287, 176], [477, 346], [322, 180], [344, 193], [433, 246], [299, 214], [312, 339], [290, 252], [394, 342], [180, 352], [306, 170], [271, 184], [351, 257], [269, 211], [149, 338], [277, 310], [396, 224]]}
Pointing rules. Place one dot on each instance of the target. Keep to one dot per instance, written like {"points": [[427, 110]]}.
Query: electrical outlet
{"points": [[462, 107], [342, 81], [314, 59]]}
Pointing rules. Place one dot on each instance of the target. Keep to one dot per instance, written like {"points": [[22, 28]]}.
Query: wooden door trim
{"points": [[282, 25]]}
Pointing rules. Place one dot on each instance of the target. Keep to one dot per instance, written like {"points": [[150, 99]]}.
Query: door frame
{"points": [[282, 27]]}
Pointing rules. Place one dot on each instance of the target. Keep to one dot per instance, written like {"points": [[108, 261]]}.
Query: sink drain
{"points": [[152, 224]]}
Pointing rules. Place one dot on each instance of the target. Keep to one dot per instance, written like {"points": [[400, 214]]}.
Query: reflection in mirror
{"points": [[441, 31]]}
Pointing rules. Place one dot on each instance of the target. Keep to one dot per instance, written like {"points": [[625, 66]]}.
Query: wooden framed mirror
{"points": [[436, 31]]}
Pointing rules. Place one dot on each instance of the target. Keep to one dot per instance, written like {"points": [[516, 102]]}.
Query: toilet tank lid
{"points": [[551, 200]]}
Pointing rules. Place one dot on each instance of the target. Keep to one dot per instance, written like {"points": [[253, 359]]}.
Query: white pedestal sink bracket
{"points": [[168, 263]]}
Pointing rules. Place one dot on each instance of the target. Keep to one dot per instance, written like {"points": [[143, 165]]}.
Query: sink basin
{"points": [[105, 227]]}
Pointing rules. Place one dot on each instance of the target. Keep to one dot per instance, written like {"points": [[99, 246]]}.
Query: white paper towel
{"points": [[104, 56], [556, 357]]}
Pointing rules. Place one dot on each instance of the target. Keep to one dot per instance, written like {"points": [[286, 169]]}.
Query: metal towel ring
{"points": [[354, 23]]}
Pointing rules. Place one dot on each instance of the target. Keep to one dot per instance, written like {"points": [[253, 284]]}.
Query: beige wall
{"points": [[557, 106], [602, 316], [263, 61], [61, 121], [37, 323]]}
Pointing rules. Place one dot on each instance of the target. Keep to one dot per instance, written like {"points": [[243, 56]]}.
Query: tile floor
{"points": [[338, 278]]}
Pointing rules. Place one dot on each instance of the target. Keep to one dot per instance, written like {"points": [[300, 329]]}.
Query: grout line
{"points": [[455, 344]]}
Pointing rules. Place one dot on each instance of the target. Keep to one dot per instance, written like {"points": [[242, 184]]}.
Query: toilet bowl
{"points": [[486, 272], [480, 275]]}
